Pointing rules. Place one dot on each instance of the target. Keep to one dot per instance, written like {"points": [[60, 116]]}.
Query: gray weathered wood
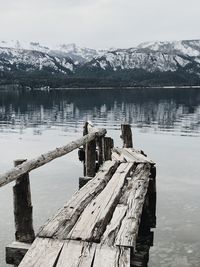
{"points": [[134, 199], [92, 222], [76, 254], [83, 181], [44, 252], [100, 145], [61, 224], [30, 165], [106, 256], [15, 252], [108, 146], [23, 208], [130, 155], [112, 228], [90, 158], [126, 135]]}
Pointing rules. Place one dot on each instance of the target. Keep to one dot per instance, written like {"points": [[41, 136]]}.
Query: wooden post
{"points": [[90, 155], [152, 197], [23, 208], [126, 135], [100, 145], [108, 146], [90, 158]]}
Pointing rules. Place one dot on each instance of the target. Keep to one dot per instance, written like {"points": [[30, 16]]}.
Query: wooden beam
{"points": [[30, 165], [15, 252]]}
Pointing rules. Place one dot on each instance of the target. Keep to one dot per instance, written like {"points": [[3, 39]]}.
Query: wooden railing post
{"points": [[126, 135], [108, 146], [23, 208]]}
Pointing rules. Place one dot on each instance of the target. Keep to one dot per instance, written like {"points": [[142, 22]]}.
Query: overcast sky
{"points": [[99, 23]]}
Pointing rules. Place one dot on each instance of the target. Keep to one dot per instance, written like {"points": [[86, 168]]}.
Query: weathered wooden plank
{"points": [[131, 155], [30, 165], [23, 208], [112, 228], [61, 224], [44, 252], [77, 254], [92, 222], [15, 252], [106, 256], [126, 135], [134, 198], [118, 157]]}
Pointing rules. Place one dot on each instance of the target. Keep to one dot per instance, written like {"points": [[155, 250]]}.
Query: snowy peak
{"points": [[189, 48], [180, 59]]}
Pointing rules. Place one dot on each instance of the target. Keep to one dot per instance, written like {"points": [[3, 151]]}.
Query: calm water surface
{"points": [[166, 125]]}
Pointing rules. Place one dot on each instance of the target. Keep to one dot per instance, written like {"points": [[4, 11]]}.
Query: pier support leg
{"points": [[108, 146], [126, 135], [23, 208], [24, 233]]}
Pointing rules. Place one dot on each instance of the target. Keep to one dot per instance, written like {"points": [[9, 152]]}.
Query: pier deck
{"points": [[107, 223]]}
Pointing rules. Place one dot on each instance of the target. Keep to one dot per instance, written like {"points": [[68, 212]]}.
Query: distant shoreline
{"points": [[122, 88], [47, 88]]}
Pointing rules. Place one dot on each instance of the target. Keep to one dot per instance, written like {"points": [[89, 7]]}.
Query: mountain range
{"points": [[148, 64]]}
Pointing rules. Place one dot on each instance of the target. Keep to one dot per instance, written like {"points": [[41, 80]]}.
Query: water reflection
{"points": [[154, 109], [165, 111]]}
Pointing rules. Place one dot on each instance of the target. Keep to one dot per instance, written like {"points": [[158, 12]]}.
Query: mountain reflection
{"points": [[171, 110]]}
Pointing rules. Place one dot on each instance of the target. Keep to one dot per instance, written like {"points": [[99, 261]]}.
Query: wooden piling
{"points": [[126, 135], [108, 146], [23, 208]]}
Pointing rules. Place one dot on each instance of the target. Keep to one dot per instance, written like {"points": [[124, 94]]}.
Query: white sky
{"points": [[99, 23]]}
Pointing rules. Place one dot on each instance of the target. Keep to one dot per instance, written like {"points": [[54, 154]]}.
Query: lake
{"points": [[165, 124]]}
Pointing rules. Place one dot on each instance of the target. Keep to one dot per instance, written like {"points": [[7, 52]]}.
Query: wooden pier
{"points": [[106, 223]]}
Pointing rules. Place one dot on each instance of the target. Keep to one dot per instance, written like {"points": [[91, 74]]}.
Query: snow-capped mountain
{"points": [[189, 48], [12, 59], [148, 63]]}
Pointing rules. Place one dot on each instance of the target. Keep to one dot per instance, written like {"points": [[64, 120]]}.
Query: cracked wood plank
{"points": [[131, 155], [43, 253], [92, 222], [77, 254], [62, 223], [134, 197], [106, 256]]}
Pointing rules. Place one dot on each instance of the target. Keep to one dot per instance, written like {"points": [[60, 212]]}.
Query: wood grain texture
{"points": [[76, 254], [130, 155], [92, 222], [112, 228], [62, 223], [43, 253], [134, 198], [106, 256], [23, 208], [30, 165]]}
